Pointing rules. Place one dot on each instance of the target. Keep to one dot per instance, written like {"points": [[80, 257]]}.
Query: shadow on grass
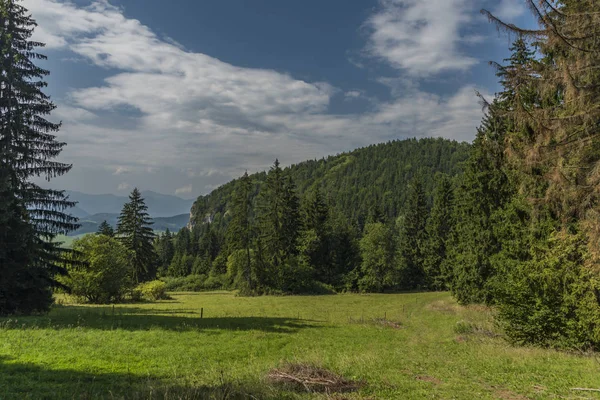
{"points": [[133, 319], [31, 381]]}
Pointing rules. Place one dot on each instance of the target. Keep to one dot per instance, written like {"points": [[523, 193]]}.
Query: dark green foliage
{"points": [[483, 189], [30, 217], [106, 229], [240, 233], [278, 226], [165, 250], [316, 236], [356, 183], [307, 220], [550, 300], [135, 232], [439, 225], [413, 238]]}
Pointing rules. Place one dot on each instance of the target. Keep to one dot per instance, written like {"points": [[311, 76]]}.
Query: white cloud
{"points": [[120, 170], [124, 186], [421, 37], [508, 10], [184, 190], [210, 121]]}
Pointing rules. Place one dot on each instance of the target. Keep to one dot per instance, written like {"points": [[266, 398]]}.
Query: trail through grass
{"points": [[403, 346]]}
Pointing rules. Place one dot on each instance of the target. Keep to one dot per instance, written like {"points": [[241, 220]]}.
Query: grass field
{"points": [[67, 241], [405, 346]]}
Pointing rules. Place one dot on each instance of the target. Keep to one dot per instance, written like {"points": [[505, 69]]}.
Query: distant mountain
{"points": [[159, 205], [90, 223]]}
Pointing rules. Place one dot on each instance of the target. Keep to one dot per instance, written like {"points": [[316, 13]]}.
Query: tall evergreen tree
{"points": [[271, 230], [106, 229], [291, 220], [240, 231], [483, 189], [135, 232], [438, 228], [30, 217], [413, 237], [316, 216], [165, 251]]}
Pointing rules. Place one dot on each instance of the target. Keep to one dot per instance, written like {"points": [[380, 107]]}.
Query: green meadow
{"points": [[397, 346]]}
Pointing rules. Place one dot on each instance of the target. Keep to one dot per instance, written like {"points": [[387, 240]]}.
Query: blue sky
{"points": [[179, 97]]}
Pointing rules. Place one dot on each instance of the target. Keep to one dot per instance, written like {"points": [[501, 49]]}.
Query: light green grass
{"points": [[67, 241], [164, 350]]}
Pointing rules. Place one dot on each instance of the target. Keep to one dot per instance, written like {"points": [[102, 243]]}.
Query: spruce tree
{"points": [[240, 230], [30, 216], [272, 204], [438, 228], [316, 215], [135, 232], [413, 237], [165, 250], [106, 229], [291, 220]]}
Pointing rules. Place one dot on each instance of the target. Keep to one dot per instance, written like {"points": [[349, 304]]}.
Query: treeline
{"points": [[354, 183], [263, 233], [279, 242]]}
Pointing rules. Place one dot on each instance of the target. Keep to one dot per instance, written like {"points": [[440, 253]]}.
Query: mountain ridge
{"points": [[159, 205]]}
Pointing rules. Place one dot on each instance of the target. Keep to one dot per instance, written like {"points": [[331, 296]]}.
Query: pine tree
{"points": [[106, 229], [316, 216], [240, 230], [165, 250], [30, 217], [413, 237], [271, 230], [483, 189], [291, 220], [439, 224], [135, 232]]}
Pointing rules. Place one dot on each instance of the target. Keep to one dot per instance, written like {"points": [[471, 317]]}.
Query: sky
{"points": [[180, 97]]}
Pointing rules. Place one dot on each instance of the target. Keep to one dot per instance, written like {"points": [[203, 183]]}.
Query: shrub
{"points": [[154, 290], [552, 300], [101, 271], [191, 283]]}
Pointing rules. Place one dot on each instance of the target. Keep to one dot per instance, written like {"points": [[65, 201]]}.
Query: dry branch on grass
{"points": [[312, 379]]}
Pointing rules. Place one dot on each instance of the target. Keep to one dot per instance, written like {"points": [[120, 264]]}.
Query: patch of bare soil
{"points": [[310, 378], [443, 306], [505, 394], [430, 379]]}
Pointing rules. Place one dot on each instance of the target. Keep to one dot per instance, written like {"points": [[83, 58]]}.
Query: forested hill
{"points": [[366, 180]]}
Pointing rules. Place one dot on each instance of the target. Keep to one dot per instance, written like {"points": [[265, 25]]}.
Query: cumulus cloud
{"points": [[421, 37], [508, 10], [162, 105], [184, 190]]}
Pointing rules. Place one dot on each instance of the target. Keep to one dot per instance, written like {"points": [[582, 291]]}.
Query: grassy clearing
{"points": [[405, 346], [67, 241]]}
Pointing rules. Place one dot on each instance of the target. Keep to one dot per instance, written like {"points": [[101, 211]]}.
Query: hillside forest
{"points": [[509, 221]]}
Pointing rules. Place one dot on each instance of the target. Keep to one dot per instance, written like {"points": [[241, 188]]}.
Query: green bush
{"points": [[101, 271], [191, 283], [551, 300], [154, 290]]}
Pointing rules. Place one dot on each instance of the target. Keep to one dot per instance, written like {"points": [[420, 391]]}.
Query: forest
{"points": [[509, 221]]}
